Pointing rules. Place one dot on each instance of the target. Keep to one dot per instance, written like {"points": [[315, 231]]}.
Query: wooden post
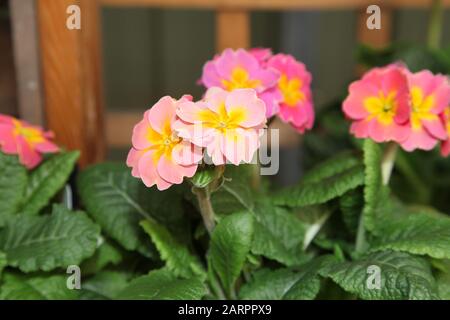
{"points": [[232, 29], [71, 73]]}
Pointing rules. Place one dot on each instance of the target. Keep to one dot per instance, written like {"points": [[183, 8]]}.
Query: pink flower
{"points": [[445, 147], [237, 70], [378, 104], [293, 92], [261, 54], [430, 94], [159, 156], [29, 142], [225, 123]]}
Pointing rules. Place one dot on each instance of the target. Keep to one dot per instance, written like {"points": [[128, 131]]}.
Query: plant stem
{"points": [[206, 209], [435, 24], [387, 164], [360, 244]]}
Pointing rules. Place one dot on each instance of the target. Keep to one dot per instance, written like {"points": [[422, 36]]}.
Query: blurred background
{"points": [[150, 52]]}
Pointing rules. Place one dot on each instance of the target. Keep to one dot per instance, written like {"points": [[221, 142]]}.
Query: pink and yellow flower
{"points": [[430, 95], [378, 104], [293, 92], [159, 156], [445, 147], [27, 141], [227, 124], [241, 69]]}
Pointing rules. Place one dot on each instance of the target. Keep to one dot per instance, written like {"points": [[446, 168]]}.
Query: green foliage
{"points": [[278, 235], [13, 181], [47, 242], [163, 285], [230, 243], [403, 276], [3, 262], [286, 284], [326, 189], [37, 288], [418, 233], [176, 255], [117, 202], [105, 285], [46, 180]]}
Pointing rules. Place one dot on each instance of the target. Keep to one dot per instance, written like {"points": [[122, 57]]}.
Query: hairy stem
{"points": [[206, 209], [435, 24]]}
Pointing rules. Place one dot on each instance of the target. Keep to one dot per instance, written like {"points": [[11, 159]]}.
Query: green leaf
{"points": [[351, 205], [3, 263], [317, 192], [335, 165], [163, 285], [104, 285], [117, 201], [418, 233], [105, 255], [403, 276], [230, 243], [286, 284], [176, 255], [36, 288], [50, 241], [443, 282], [13, 180], [46, 180], [278, 235], [373, 187], [235, 194]]}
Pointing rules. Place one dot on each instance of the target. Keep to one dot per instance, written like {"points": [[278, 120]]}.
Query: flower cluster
{"points": [[393, 104], [169, 142], [27, 141], [281, 81]]}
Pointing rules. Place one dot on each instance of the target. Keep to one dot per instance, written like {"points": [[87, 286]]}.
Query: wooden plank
{"points": [[271, 4], [232, 29], [26, 60], [119, 128], [71, 74]]}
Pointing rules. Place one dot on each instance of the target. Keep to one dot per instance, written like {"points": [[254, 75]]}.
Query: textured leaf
{"points": [[443, 281], [117, 201], [46, 180], [230, 243], [176, 255], [340, 163], [163, 285], [403, 276], [418, 233], [106, 254], [3, 262], [278, 235], [105, 285], [351, 205], [36, 288], [46, 242], [235, 194], [317, 192], [13, 180], [286, 283]]}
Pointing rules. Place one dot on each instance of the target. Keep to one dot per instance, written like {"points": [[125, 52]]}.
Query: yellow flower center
{"points": [[240, 79], [31, 135], [223, 120], [421, 108], [291, 90], [382, 107], [163, 143]]}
